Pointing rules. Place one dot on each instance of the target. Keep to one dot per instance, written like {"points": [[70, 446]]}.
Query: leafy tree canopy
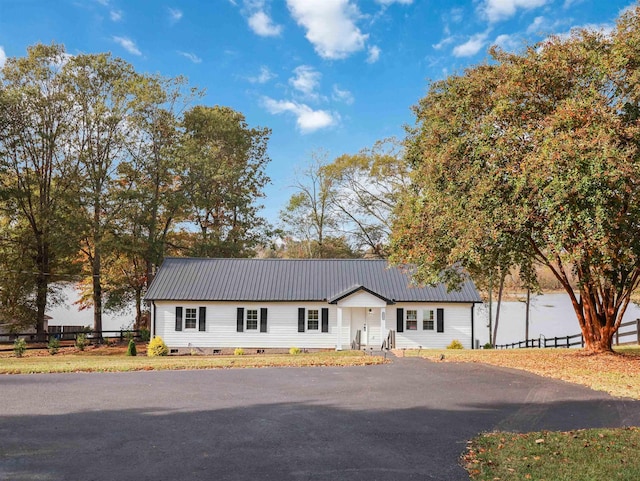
{"points": [[534, 158]]}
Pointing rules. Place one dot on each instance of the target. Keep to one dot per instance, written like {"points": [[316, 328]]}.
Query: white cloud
{"points": [[330, 26], [3, 57], [191, 56], [307, 119], [456, 15], [508, 42], [342, 95], [537, 25], [496, 10], [263, 77], [175, 15], [115, 15], [374, 54], [471, 46], [128, 44], [262, 25], [306, 80], [389, 2], [444, 42]]}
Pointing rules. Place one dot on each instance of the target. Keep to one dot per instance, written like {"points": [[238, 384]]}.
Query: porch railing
{"points": [[356, 343], [390, 341]]}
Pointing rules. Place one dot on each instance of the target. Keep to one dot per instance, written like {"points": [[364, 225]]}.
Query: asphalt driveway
{"points": [[403, 421]]}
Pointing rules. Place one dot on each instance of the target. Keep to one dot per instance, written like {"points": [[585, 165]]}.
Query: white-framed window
{"points": [[412, 320], [428, 318], [252, 319], [190, 318], [312, 319]]}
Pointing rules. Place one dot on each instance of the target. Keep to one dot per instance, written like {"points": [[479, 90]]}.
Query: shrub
{"points": [[145, 335], [19, 346], [81, 341], [131, 349], [53, 345], [157, 347], [295, 350], [488, 345], [238, 351], [455, 344]]}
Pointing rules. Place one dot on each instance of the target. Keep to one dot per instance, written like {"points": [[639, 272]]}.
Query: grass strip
{"points": [[121, 363], [615, 373], [583, 455]]}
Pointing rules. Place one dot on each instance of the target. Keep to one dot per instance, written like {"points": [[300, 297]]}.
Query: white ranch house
{"points": [[217, 304]]}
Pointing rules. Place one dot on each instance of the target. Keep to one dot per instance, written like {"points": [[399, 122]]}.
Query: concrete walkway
{"points": [[406, 420]]}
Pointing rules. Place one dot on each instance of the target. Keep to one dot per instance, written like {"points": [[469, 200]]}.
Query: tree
{"points": [[367, 188], [536, 153], [105, 91], [154, 203], [38, 179], [222, 177], [309, 217]]}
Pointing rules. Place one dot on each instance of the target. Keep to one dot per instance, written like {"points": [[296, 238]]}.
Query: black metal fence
{"points": [[35, 340], [577, 339]]}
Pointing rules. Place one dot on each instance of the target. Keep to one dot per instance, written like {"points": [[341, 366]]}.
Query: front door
{"points": [[359, 323], [367, 320]]}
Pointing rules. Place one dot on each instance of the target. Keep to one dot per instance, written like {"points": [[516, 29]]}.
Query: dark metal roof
{"points": [[199, 279]]}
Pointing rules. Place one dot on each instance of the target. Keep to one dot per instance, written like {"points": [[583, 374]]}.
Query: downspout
{"points": [[473, 340], [153, 320]]}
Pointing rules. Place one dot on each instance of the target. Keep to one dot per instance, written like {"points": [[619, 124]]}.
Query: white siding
{"points": [[457, 325], [282, 326], [361, 299]]}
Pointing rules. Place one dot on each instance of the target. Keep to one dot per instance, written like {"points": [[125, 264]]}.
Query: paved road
{"points": [[403, 421]]}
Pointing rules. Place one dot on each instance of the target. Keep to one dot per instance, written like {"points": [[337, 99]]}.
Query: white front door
{"points": [[359, 323]]}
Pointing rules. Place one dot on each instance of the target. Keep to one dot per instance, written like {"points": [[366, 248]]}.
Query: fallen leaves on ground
{"points": [[615, 373]]}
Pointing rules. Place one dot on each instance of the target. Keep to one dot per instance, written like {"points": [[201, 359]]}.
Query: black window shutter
{"points": [[178, 318], [300, 319], [325, 319], [400, 319], [440, 319], [263, 319], [240, 320], [202, 319]]}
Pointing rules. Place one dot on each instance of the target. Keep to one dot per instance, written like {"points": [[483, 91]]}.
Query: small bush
{"points": [[238, 351], [295, 350], [455, 344], [145, 335], [157, 347], [488, 345], [53, 345], [81, 341], [19, 347], [131, 349]]}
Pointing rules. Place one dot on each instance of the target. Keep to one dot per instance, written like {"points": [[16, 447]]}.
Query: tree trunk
{"points": [[490, 309], [42, 285], [139, 320], [97, 294], [500, 290], [526, 315], [41, 305], [598, 321]]}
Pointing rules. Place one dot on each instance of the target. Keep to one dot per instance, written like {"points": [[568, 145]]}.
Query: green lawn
{"points": [[584, 455], [103, 361]]}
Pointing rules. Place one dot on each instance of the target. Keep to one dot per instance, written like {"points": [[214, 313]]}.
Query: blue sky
{"points": [[335, 75]]}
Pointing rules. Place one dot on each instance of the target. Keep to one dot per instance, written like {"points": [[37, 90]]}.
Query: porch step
{"points": [[378, 352]]}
